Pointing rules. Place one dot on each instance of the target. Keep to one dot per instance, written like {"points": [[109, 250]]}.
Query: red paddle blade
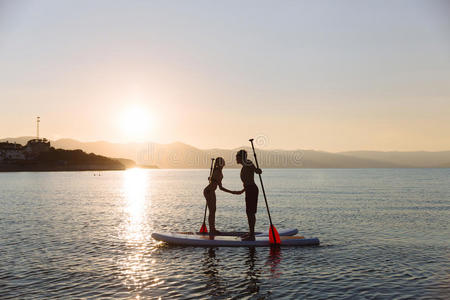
{"points": [[274, 237], [204, 229]]}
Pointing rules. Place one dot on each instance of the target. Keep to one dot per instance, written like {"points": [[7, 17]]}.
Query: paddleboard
{"points": [[229, 241], [285, 232]]}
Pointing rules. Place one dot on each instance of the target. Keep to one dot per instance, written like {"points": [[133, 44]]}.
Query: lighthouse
{"points": [[37, 145], [38, 120]]}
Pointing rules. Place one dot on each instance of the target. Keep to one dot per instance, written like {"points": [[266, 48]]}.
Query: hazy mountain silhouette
{"points": [[180, 155], [416, 159], [19, 140]]}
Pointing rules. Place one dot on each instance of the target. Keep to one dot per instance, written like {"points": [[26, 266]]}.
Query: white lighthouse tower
{"points": [[38, 120]]}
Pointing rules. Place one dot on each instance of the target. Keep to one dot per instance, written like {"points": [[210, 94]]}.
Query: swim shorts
{"points": [[251, 198]]}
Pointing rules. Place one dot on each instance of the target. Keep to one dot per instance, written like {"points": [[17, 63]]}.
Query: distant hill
{"points": [[62, 160], [128, 163], [417, 159], [19, 140], [180, 155]]}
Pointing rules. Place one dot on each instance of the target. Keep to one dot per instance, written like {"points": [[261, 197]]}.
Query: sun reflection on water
{"points": [[136, 261], [135, 187]]}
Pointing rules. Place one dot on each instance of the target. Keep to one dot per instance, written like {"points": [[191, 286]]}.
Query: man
{"points": [[251, 191]]}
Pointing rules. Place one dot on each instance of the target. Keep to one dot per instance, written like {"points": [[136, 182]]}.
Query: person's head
{"points": [[241, 156], [219, 163]]}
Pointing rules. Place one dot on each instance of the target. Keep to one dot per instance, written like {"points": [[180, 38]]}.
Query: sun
{"points": [[136, 123]]}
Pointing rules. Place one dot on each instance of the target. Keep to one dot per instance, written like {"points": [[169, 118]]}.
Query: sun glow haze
{"points": [[305, 74], [136, 123]]}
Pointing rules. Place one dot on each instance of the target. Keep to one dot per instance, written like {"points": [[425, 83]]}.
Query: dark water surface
{"points": [[384, 232]]}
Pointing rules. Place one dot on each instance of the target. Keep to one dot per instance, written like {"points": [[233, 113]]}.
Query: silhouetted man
{"points": [[251, 191]]}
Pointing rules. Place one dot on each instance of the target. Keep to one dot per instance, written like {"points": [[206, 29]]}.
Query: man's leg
{"points": [[251, 223], [251, 203]]}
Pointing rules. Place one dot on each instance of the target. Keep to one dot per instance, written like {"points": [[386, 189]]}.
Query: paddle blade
{"points": [[274, 237], [204, 229]]}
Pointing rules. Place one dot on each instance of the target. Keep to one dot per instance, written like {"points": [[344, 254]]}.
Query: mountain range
{"points": [[180, 155]]}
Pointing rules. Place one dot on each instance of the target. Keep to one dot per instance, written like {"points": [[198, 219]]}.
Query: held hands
{"points": [[238, 192], [258, 171]]}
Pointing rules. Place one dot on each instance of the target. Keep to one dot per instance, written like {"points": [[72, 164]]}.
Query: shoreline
{"points": [[59, 168], [76, 169]]}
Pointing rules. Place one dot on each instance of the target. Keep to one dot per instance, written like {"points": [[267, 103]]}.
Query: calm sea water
{"points": [[384, 233]]}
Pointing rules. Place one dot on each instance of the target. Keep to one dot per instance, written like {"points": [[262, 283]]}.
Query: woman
{"points": [[210, 193]]}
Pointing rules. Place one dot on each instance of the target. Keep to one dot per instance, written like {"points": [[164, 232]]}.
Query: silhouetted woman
{"points": [[210, 193]]}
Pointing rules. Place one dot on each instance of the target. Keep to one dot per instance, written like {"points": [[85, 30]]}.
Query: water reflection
{"points": [[216, 277], [135, 184], [273, 261], [214, 281], [135, 262], [251, 275]]}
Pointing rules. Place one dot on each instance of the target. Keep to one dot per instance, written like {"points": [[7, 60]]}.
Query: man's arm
{"points": [[255, 169]]}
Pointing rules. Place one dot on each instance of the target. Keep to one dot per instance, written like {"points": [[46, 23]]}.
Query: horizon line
{"points": [[210, 149]]}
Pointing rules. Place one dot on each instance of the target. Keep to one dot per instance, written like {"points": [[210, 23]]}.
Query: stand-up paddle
{"points": [[204, 229], [274, 237]]}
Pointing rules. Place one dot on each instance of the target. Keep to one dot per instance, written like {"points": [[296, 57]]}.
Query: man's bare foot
{"points": [[248, 237]]}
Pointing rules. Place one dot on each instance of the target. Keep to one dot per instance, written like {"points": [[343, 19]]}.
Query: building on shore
{"points": [[12, 152]]}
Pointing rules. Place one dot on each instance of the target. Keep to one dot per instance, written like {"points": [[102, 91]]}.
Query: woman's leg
{"points": [[211, 201]]}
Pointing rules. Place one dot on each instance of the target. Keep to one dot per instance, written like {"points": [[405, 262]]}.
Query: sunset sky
{"points": [[325, 75]]}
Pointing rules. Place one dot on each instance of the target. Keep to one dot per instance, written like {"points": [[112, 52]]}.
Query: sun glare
{"points": [[136, 123]]}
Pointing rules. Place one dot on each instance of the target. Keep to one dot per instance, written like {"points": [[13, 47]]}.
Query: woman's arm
{"points": [[231, 192]]}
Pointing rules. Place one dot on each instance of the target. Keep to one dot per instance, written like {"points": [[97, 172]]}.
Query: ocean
{"points": [[384, 235]]}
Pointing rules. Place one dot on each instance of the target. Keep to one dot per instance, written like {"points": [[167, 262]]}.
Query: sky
{"points": [[324, 75]]}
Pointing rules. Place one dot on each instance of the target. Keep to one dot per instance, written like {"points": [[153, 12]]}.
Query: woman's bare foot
{"points": [[214, 232]]}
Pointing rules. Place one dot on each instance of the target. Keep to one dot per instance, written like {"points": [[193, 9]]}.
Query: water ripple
{"points": [[384, 235]]}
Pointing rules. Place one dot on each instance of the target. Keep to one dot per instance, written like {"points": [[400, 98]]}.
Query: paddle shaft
{"points": [[262, 187], [210, 175]]}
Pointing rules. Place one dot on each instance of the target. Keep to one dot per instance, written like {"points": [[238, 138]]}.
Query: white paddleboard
{"points": [[229, 241], [285, 232]]}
